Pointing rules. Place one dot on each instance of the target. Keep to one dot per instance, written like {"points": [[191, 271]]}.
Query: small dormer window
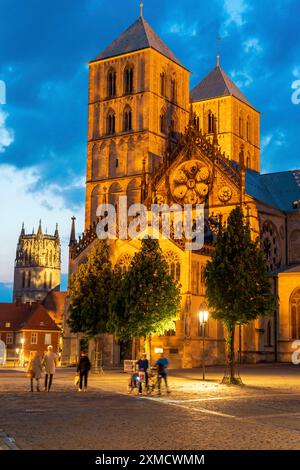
{"points": [[7, 324], [42, 323]]}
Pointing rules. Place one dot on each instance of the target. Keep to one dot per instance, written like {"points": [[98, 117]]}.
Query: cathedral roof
{"points": [[138, 36], [280, 190], [215, 85]]}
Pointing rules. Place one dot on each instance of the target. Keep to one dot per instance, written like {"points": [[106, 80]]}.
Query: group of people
{"points": [[36, 366], [142, 375], [145, 373]]}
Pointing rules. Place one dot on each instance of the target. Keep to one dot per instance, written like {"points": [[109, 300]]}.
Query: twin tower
{"points": [[139, 100]]}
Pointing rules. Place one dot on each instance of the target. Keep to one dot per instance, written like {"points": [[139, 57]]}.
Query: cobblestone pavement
{"points": [[263, 414]]}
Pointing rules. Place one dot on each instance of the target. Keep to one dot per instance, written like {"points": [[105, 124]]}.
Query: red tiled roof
{"points": [[54, 303], [215, 85], [25, 317], [138, 36]]}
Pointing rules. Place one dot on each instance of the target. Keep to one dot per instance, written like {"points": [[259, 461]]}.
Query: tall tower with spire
{"points": [[138, 102], [37, 265]]}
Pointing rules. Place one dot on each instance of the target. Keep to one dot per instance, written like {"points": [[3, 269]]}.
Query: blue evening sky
{"points": [[44, 50]]}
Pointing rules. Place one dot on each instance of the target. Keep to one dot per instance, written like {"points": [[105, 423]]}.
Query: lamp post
{"points": [[22, 353], [203, 318], [17, 353]]}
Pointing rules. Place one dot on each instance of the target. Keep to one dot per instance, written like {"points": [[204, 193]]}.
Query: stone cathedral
{"points": [[37, 265], [153, 139]]}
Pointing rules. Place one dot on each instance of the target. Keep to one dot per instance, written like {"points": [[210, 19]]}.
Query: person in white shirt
{"points": [[49, 362]]}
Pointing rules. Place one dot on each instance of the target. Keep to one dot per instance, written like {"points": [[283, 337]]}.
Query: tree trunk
{"points": [[148, 348], [231, 334]]}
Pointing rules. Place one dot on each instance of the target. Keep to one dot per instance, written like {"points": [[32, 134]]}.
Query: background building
{"points": [[37, 265]]}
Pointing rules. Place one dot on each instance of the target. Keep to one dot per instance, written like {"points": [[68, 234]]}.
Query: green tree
{"points": [[237, 285], [90, 294], [148, 300]]}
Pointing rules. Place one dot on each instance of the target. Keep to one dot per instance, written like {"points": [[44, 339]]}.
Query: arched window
{"points": [[111, 83], [96, 130], [197, 122], [248, 129], [111, 123], [115, 191], [124, 262], [163, 83], [162, 123], [127, 119], [23, 279], [174, 265], [133, 192], [241, 126], [128, 80], [295, 314], [211, 123], [173, 90]]}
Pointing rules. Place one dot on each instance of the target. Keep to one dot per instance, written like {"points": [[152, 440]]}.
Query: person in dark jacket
{"points": [[83, 368], [143, 366]]}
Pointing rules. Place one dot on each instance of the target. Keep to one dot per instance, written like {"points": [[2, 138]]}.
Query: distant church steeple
{"points": [[37, 265]]}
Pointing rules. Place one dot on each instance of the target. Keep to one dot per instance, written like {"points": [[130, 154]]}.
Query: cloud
{"points": [[182, 29], [252, 45], [234, 14], [24, 205], [6, 134], [241, 79]]}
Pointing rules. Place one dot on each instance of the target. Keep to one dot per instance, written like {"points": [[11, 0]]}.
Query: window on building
{"points": [[295, 314], [34, 338], [9, 338], [111, 123], [29, 279], [127, 120], [162, 123], [23, 279], [248, 128], [211, 123], [111, 83], [7, 324], [241, 126], [203, 329], [163, 83], [128, 80], [47, 338], [197, 122], [50, 281]]}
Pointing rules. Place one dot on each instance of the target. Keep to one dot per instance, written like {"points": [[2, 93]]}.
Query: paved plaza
{"points": [[263, 414]]}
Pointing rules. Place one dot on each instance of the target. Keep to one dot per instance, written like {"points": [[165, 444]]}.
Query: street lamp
{"points": [[203, 318]]}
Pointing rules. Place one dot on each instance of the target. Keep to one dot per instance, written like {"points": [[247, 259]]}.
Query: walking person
{"points": [[84, 366], [49, 362], [34, 371], [143, 366], [162, 373]]}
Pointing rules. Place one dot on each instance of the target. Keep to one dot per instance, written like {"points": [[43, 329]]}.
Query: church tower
{"points": [[37, 265], [220, 107], [138, 102]]}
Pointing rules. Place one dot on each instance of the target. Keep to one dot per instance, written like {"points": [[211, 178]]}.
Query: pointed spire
{"points": [[56, 234], [22, 230], [73, 235], [141, 9], [40, 232]]}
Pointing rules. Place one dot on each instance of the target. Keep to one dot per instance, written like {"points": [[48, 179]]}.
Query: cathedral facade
{"points": [[155, 141]]}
